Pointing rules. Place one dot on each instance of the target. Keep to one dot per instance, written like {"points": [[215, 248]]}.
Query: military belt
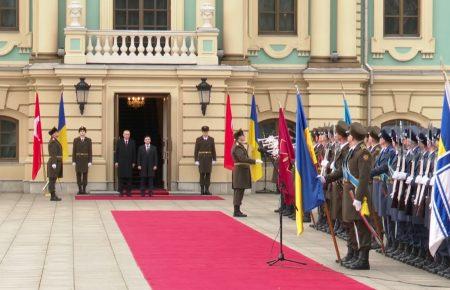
{"points": [[376, 178], [204, 152], [82, 154], [242, 164]]}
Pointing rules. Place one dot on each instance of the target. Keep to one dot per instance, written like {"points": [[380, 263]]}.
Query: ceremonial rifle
{"points": [[398, 193], [405, 204], [419, 185], [420, 207]]}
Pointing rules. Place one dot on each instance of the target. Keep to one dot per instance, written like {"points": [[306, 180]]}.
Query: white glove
{"points": [[424, 180], [418, 179], [395, 175], [402, 175], [391, 195], [332, 166], [213, 162], [54, 166], [433, 180], [409, 180], [74, 164], [321, 178], [197, 163], [357, 205], [89, 164], [324, 163], [259, 161]]}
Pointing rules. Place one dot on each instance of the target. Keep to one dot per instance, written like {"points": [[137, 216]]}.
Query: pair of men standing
{"points": [[81, 160], [125, 161]]}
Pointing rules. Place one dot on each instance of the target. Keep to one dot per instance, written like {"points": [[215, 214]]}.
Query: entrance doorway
{"points": [[148, 116]]}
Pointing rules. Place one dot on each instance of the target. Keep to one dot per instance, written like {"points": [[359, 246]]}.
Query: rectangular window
{"points": [[8, 139], [277, 16], [401, 17], [142, 14], [9, 15]]}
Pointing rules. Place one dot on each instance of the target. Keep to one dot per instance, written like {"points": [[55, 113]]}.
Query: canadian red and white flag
{"points": [[37, 139]]}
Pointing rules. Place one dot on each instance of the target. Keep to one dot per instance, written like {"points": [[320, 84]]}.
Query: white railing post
{"points": [[75, 35], [207, 37]]}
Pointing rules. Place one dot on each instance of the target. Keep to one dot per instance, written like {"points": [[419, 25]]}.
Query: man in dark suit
{"points": [[205, 157], [147, 161], [54, 163], [82, 158], [124, 160]]}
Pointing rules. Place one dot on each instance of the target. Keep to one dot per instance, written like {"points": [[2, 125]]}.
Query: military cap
{"points": [[342, 128], [205, 129], [385, 135], [52, 131], [374, 132], [437, 135], [238, 134], [423, 139], [82, 128], [410, 134], [358, 131]]}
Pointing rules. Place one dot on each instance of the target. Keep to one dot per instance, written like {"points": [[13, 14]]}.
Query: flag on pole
{"points": [[440, 199], [62, 129], [308, 188], [37, 139], [253, 135], [347, 117], [286, 159], [228, 162]]}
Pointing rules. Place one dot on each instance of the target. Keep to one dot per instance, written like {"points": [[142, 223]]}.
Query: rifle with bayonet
{"points": [[397, 187], [420, 207]]}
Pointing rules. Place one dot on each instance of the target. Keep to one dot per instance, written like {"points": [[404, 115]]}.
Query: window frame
{"points": [[141, 11], [277, 20], [401, 17], [17, 27], [16, 122]]}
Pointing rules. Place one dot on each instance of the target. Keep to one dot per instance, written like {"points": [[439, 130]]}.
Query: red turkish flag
{"points": [[228, 162], [37, 139]]}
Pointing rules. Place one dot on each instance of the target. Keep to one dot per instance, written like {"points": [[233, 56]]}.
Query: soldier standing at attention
{"points": [[54, 164], [205, 157], [242, 179], [356, 171], [82, 158]]}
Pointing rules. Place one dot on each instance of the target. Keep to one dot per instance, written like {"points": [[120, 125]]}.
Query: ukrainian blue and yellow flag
{"points": [[347, 117], [62, 129], [308, 188], [253, 135], [440, 197]]}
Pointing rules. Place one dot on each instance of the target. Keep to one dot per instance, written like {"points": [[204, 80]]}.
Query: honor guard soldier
{"points": [[54, 164], [205, 157], [82, 158], [374, 149], [356, 171], [241, 176]]}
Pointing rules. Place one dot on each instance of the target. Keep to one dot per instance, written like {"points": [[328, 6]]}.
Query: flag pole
{"points": [[44, 192]]}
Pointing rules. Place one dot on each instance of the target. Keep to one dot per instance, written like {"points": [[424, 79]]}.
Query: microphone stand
{"points": [[265, 189]]}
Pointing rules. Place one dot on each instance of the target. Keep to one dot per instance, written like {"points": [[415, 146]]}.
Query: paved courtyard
{"points": [[77, 244]]}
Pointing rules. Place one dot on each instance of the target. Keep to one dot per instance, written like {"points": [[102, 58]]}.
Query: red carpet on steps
{"points": [[154, 197], [210, 250]]}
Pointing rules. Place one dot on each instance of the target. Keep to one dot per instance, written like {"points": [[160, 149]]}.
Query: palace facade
{"points": [[386, 55]]}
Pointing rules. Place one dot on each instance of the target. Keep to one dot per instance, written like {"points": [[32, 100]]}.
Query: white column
{"points": [[45, 27], [233, 30], [346, 28], [320, 28]]}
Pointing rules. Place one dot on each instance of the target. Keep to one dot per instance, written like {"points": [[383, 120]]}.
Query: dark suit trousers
{"points": [[51, 184], [205, 179], [350, 230], [146, 183], [125, 184], [82, 179], [238, 196]]}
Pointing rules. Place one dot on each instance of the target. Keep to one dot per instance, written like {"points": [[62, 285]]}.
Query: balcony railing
{"points": [[141, 47]]}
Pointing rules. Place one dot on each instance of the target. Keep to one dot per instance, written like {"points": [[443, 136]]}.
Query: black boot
{"points": [[84, 189], [207, 190], [353, 260], [54, 197], [80, 190], [237, 212], [202, 190], [363, 261], [349, 256]]}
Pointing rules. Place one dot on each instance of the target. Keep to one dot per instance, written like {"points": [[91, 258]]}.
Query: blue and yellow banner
{"points": [[62, 129], [347, 117], [308, 188], [253, 135]]}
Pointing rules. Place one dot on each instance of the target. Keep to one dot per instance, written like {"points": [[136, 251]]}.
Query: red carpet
{"points": [[155, 197], [210, 250]]}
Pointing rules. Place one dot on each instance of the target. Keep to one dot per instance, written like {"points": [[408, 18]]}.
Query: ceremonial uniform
{"points": [[82, 158], [147, 160], [356, 171], [54, 164], [205, 155], [125, 156]]}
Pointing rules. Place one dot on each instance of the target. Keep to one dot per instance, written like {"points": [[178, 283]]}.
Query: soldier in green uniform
{"points": [[82, 158], [54, 163], [374, 149], [356, 171], [242, 178], [205, 157]]}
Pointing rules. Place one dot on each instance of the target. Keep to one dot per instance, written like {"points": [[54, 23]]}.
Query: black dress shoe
{"points": [[239, 214]]}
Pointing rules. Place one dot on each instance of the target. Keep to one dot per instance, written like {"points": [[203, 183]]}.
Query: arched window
{"points": [[270, 127], [401, 17], [142, 14], [8, 139]]}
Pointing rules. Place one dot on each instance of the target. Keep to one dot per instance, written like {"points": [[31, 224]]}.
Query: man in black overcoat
{"points": [[147, 162], [124, 161]]}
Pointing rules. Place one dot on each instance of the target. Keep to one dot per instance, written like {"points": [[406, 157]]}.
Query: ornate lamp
{"points": [[205, 94], [82, 92]]}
